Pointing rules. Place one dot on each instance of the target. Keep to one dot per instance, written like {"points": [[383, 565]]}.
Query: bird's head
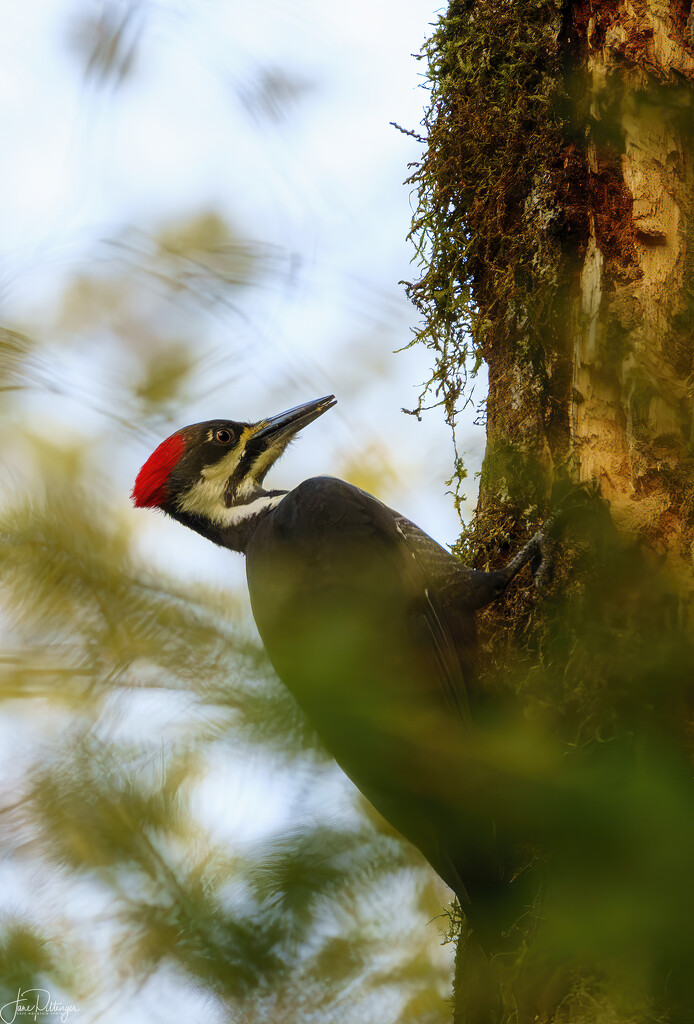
{"points": [[213, 472]]}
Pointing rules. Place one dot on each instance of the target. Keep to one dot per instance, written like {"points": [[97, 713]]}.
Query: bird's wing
{"points": [[326, 517]]}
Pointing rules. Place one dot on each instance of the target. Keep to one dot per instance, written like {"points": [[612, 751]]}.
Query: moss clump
{"points": [[492, 188]]}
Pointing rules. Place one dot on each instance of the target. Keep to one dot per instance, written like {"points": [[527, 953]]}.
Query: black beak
{"points": [[293, 420]]}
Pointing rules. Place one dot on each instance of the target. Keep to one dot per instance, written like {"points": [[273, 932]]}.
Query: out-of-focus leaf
{"points": [[164, 375], [272, 93], [106, 40], [29, 958]]}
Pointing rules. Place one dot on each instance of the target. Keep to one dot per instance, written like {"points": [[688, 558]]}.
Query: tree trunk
{"points": [[620, 318], [555, 220], [633, 364]]}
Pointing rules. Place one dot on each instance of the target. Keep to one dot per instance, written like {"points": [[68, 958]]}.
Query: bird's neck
{"points": [[233, 526]]}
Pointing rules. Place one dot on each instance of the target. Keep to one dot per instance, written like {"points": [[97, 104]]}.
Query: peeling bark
{"points": [[633, 398], [629, 311]]}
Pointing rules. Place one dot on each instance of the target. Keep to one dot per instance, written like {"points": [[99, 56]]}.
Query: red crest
{"points": [[150, 486]]}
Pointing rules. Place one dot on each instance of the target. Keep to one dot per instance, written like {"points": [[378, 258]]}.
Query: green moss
{"points": [[515, 475], [490, 217]]}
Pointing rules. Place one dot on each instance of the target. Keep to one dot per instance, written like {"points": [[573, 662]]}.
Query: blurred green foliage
{"points": [[587, 716]]}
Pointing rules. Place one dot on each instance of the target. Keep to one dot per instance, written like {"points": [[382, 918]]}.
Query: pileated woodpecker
{"points": [[369, 623]]}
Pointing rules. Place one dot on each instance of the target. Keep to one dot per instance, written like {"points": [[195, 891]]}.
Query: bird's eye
{"points": [[223, 436]]}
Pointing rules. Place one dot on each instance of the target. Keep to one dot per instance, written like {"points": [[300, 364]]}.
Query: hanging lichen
{"points": [[492, 211]]}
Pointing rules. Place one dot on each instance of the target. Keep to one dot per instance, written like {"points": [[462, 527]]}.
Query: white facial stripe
{"points": [[206, 496], [239, 512], [245, 489], [222, 470]]}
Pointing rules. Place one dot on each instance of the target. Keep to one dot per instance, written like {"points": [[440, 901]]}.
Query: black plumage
{"points": [[370, 624]]}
